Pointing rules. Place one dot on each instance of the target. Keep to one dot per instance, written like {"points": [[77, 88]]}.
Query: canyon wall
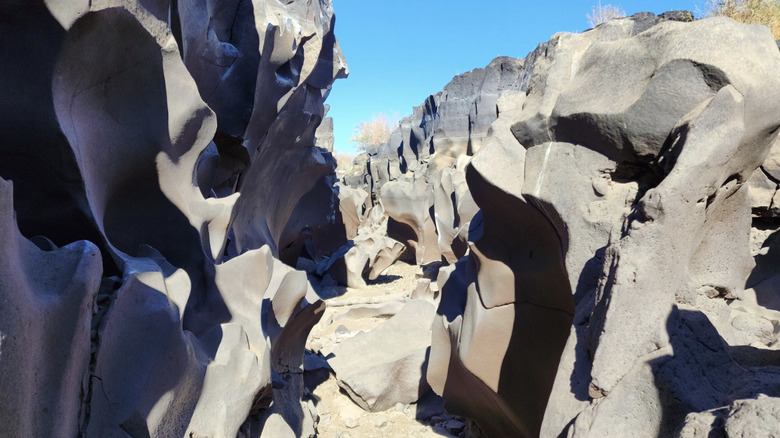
{"points": [[419, 174], [153, 154], [616, 283], [605, 212]]}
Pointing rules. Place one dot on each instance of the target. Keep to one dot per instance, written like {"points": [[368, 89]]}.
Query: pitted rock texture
{"points": [[608, 263], [169, 139]]}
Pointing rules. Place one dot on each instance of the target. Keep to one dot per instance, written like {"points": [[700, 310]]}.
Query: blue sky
{"points": [[401, 51]]}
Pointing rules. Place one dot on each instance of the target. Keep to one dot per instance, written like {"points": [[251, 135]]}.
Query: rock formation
{"points": [[386, 366], [607, 208], [172, 140], [353, 246], [418, 176], [603, 294]]}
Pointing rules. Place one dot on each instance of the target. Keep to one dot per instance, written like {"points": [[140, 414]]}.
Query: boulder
{"points": [[746, 417], [386, 365], [363, 258], [407, 203], [754, 417], [454, 207]]}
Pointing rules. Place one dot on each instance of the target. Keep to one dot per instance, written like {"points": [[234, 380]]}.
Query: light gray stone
{"points": [[138, 148], [385, 366], [758, 417], [616, 203]]}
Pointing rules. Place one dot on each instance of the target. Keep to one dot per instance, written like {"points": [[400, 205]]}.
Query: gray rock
{"points": [[363, 258], [138, 148], [408, 203], [759, 417], [351, 423], [385, 366], [263, 77], [47, 299], [422, 158], [756, 417], [627, 158], [429, 406], [454, 427], [700, 425], [454, 208]]}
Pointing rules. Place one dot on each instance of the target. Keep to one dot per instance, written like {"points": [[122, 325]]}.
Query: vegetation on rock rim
{"points": [[765, 12]]}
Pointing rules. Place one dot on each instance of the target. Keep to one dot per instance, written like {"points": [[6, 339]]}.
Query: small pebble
{"points": [[351, 423], [380, 422], [399, 407], [322, 409]]}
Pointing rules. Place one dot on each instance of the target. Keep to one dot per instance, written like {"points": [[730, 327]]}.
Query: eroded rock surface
{"points": [[613, 243], [387, 365], [47, 298], [171, 140], [418, 176]]}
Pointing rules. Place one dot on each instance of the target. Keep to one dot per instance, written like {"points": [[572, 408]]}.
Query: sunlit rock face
{"points": [[155, 153], [604, 292], [418, 176], [265, 68]]}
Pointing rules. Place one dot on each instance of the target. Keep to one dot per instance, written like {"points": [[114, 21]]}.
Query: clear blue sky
{"points": [[401, 51]]}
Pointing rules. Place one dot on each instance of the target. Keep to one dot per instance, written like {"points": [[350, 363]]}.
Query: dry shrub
{"points": [[344, 160], [603, 13], [373, 133], [766, 12]]}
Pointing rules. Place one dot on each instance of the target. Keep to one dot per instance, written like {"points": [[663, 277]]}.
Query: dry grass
{"points": [[766, 12], [603, 13]]}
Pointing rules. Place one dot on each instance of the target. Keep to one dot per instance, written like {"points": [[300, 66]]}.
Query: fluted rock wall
{"points": [[418, 175], [175, 139], [417, 180], [604, 293]]}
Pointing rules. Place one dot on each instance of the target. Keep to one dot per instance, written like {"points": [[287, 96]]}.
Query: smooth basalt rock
{"points": [[47, 298], [355, 248], [265, 69], [386, 366], [427, 153], [363, 258], [601, 219], [614, 231], [454, 209], [130, 150]]}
